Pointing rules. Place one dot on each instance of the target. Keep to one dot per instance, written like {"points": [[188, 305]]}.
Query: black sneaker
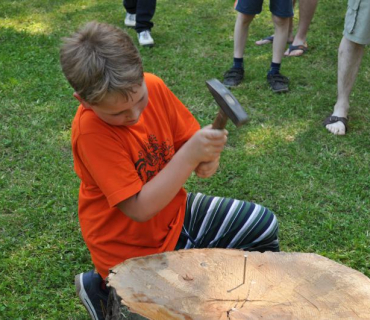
{"points": [[278, 82], [93, 297], [233, 77]]}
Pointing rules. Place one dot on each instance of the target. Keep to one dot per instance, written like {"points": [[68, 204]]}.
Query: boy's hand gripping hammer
{"points": [[229, 106]]}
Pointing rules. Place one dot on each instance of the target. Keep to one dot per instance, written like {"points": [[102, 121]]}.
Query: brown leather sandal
{"points": [[333, 119]]}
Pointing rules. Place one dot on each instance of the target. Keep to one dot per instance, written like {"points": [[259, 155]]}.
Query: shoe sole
{"points": [[232, 85], [80, 290], [151, 45], [130, 25], [280, 91]]}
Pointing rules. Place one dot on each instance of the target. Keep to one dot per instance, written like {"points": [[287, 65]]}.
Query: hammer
{"points": [[229, 106]]}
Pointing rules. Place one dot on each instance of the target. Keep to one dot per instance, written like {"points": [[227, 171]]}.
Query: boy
{"points": [[134, 146], [281, 11]]}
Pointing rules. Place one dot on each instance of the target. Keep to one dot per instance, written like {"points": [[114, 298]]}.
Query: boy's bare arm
{"points": [[204, 146]]}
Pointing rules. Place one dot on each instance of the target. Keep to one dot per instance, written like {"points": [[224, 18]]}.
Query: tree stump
{"points": [[230, 284]]}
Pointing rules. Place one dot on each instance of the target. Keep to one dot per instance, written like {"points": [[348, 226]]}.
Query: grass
{"points": [[317, 184]]}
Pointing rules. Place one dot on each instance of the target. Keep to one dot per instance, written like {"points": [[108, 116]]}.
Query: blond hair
{"points": [[100, 59]]}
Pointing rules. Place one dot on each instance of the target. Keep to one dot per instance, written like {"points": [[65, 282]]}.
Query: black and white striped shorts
{"points": [[215, 222]]}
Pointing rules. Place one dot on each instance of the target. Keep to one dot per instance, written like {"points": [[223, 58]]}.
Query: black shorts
{"points": [[279, 8]]}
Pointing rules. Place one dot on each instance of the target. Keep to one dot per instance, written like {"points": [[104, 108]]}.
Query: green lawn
{"points": [[316, 183]]}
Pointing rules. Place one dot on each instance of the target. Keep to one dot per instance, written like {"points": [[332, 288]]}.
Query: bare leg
{"points": [[290, 33], [307, 10], [280, 39], [241, 33], [291, 26], [235, 74], [349, 59]]}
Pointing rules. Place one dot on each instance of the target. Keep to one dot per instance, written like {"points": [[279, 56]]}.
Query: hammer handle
{"points": [[220, 121]]}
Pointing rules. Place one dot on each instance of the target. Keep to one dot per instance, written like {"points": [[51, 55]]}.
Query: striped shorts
{"points": [[214, 222]]}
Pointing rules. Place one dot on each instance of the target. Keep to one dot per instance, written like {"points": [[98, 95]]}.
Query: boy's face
{"points": [[115, 110]]}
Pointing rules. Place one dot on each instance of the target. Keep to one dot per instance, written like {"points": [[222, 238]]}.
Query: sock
{"points": [[275, 68], [238, 63]]}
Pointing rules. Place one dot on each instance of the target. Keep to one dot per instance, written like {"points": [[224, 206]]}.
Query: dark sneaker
{"points": [[233, 77], [93, 297], [278, 82]]}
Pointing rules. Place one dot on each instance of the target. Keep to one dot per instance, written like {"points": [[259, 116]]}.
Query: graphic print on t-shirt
{"points": [[153, 157]]}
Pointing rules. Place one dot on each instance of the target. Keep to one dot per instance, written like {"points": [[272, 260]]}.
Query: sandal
{"points": [[292, 48], [269, 39], [333, 119]]}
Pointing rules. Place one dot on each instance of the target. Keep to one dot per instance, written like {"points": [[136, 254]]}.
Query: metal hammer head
{"points": [[227, 102]]}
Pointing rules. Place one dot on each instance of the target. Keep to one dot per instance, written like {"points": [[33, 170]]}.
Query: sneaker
{"points": [[233, 77], [278, 82], [145, 39], [93, 297], [130, 20]]}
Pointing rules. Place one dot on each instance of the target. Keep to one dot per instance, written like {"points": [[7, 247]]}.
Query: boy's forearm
{"points": [[204, 146], [159, 191]]}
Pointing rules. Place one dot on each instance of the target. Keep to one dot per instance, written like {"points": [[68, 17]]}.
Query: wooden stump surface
{"points": [[208, 284]]}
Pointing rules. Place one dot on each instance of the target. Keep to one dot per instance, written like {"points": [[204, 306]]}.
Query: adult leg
{"points": [[235, 75], [349, 59], [307, 10], [214, 222], [130, 6], [144, 13]]}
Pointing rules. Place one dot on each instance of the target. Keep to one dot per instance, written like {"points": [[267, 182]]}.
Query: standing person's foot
{"points": [[92, 295], [233, 77], [337, 122], [296, 50], [266, 40], [336, 125], [278, 83], [145, 38], [130, 20], [270, 39]]}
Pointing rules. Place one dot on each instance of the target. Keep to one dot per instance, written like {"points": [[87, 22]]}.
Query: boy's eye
{"points": [[120, 113]]}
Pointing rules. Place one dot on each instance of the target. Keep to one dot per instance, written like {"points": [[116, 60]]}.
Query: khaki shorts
{"points": [[357, 22]]}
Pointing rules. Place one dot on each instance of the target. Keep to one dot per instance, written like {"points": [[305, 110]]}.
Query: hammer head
{"points": [[227, 102]]}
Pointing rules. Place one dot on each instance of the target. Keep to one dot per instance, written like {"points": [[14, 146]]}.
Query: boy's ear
{"points": [[82, 101]]}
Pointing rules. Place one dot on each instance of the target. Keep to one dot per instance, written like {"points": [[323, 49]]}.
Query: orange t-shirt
{"points": [[114, 162]]}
